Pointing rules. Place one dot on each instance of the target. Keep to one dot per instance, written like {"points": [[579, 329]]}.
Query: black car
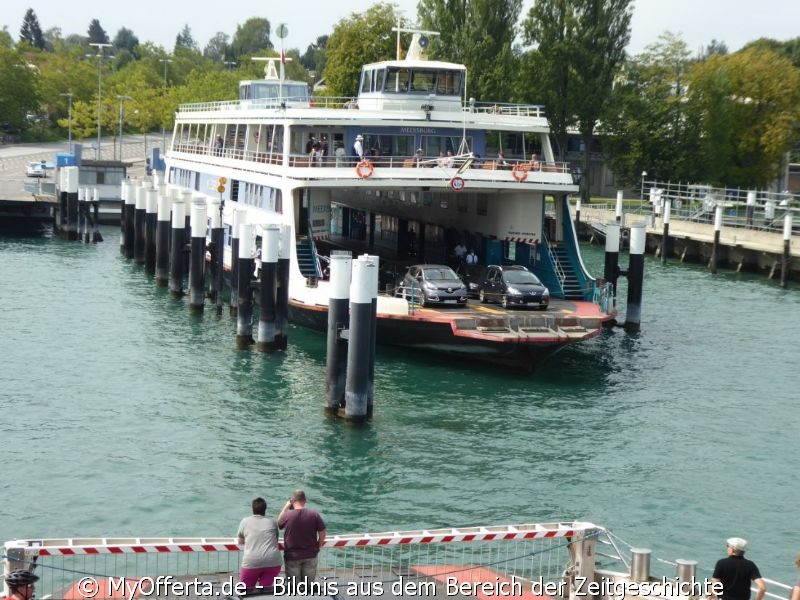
{"points": [[472, 276], [513, 285], [432, 284]]}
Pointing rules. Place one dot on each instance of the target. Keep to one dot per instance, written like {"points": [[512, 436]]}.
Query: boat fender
{"points": [[364, 169], [520, 172]]}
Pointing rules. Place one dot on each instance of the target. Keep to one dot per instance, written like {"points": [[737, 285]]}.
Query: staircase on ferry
{"points": [[307, 257], [570, 285]]}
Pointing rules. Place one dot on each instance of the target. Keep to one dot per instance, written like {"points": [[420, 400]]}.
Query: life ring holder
{"points": [[365, 169], [520, 172]]}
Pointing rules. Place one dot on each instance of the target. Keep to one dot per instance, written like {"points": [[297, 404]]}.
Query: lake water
{"points": [[122, 414]]}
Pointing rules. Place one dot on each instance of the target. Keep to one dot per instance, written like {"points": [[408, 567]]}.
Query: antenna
{"points": [[423, 41]]}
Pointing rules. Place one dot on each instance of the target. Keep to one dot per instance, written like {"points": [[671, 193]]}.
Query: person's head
{"points": [[419, 151], [736, 546], [359, 138], [21, 582], [449, 153], [299, 498], [259, 507]]}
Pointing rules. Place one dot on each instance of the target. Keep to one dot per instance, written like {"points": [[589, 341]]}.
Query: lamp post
{"points": [[99, 47], [121, 117], [165, 62], [641, 192], [68, 96], [229, 64]]}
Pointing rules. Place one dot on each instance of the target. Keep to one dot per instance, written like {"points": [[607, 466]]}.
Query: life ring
{"points": [[520, 172], [364, 169]]}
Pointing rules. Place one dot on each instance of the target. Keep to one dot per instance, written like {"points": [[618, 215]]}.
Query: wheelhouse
{"points": [[409, 84]]}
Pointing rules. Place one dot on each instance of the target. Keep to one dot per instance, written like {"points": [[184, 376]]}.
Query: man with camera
{"points": [[304, 535]]}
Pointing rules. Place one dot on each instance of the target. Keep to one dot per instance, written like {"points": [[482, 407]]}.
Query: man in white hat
{"points": [[735, 573], [358, 147]]}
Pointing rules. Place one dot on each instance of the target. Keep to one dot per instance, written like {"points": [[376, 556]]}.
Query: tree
{"points": [[748, 106], [51, 37], [18, 95], [6, 41], [479, 34], [357, 40], [96, 33], [251, 38], [218, 48], [715, 47], [30, 31], [314, 57], [185, 40], [125, 40]]}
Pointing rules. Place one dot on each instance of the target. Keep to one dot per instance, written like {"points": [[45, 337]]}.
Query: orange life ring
{"points": [[520, 171], [364, 169]]}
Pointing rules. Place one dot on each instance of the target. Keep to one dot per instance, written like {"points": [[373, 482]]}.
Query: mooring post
{"points": [[162, 239], [751, 207], [244, 318], [128, 216], [150, 221], [71, 229], [633, 313], [96, 235], [338, 321], [787, 241], [188, 198], [140, 212], [282, 294], [197, 257], [619, 207], [270, 240], [215, 250], [611, 271], [81, 209], [177, 249], [665, 237], [237, 218], [358, 346], [577, 215], [717, 230], [374, 262]]}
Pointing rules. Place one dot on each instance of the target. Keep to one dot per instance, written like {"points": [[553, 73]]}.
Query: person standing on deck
{"points": [[358, 148], [304, 536], [472, 258], [21, 585], [261, 561], [735, 573]]}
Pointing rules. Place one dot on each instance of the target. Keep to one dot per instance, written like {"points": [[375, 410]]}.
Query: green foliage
{"points": [[251, 38], [315, 55], [218, 48], [185, 40], [31, 32], [6, 41], [357, 40], [18, 94], [125, 40], [96, 33]]}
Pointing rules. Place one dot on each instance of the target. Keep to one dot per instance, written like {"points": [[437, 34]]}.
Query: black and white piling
{"points": [[83, 215], [216, 250], [751, 207], [665, 236], [244, 317], [197, 257], [619, 206], [611, 271], [577, 213], [717, 229], [177, 249], [270, 241], [96, 235], [237, 217], [633, 314], [787, 241], [282, 295], [356, 393], [162, 239], [70, 217], [140, 213], [374, 262], [128, 211], [338, 322], [150, 222]]}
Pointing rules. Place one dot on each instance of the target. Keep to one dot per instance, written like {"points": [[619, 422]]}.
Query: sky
{"points": [[734, 22]]}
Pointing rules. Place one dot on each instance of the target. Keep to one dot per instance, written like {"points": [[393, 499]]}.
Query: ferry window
{"points": [[397, 80], [380, 77], [422, 81], [366, 80], [448, 83]]}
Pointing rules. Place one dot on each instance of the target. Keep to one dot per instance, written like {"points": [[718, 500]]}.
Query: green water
{"points": [[124, 415]]}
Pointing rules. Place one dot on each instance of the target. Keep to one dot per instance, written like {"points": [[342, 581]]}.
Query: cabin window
{"points": [[389, 145], [448, 83], [380, 77], [436, 145], [397, 80], [366, 81], [423, 82]]}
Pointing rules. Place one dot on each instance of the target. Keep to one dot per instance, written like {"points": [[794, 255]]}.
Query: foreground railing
{"points": [[69, 567]]}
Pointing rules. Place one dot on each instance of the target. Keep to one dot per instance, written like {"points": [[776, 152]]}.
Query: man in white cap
{"points": [[736, 572], [358, 147]]}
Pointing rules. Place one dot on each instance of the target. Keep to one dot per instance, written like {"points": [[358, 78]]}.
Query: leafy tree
{"points": [[6, 41], [790, 48], [715, 47], [479, 34], [125, 40], [96, 33], [52, 37], [251, 38], [30, 31], [357, 40], [748, 106], [18, 95], [75, 41], [186, 40], [314, 57], [218, 48]]}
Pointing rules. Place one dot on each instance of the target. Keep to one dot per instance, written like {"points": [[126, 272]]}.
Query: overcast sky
{"points": [[734, 22]]}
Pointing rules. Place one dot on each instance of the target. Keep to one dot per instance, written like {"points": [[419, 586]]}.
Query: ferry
{"points": [[406, 170]]}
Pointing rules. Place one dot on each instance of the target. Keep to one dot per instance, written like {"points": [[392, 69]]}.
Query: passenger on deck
{"points": [[735, 573], [418, 157], [21, 584], [340, 154], [460, 252], [304, 535], [501, 160], [535, 164], [358, 148], [261, 560], [472, 258], [451, 160]]}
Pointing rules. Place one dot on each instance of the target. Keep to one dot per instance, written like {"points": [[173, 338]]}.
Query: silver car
{"points": [[432, 284]]}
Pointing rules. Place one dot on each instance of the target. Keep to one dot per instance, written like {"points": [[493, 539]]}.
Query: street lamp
{"points": [[99, 47], [121, 116], [68, 96], [641, 192], [229, 64], [165, 61]]}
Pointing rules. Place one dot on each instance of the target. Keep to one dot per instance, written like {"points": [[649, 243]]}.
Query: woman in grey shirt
{"points": [[258, 534]]}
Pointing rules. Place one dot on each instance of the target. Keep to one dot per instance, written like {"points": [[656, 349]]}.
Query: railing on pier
{"points": [[528, 551]]}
